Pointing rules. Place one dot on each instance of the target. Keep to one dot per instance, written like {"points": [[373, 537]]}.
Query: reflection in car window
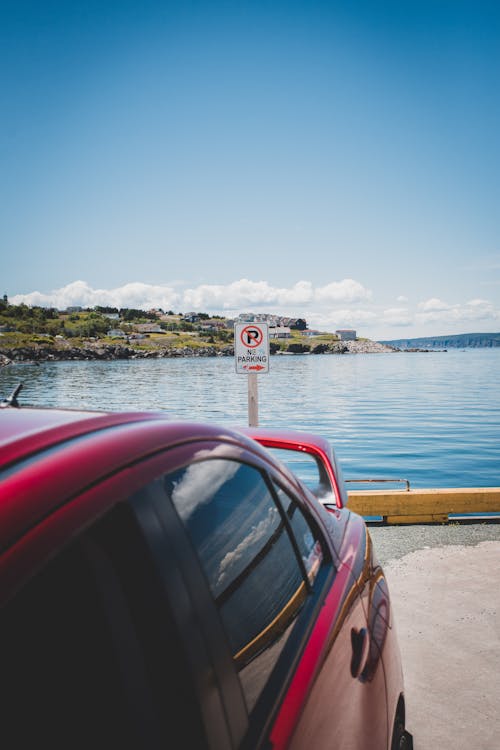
{"points": [[307, 541], [248, 558]]}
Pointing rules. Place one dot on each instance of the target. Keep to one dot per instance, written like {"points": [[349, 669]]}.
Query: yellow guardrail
{"points": [[424, 506]]}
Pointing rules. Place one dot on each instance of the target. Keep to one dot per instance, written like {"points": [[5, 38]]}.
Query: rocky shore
{"points": [[366, 346], [110, 352]]}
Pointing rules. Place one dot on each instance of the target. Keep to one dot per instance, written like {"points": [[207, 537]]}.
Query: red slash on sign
{"points": [[251, 336], [255, 367]]}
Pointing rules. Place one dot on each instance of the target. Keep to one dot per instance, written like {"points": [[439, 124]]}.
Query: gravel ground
{"points": [[446, 604], [394, 542]]}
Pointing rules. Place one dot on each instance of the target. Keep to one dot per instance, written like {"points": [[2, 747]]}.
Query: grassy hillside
{"points": [[49, 331]]}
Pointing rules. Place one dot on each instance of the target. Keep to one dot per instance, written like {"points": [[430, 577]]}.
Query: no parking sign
{"points": [[251, 348]]}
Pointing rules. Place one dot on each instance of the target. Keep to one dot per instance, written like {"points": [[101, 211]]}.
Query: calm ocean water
{"points": [[432, 418]]}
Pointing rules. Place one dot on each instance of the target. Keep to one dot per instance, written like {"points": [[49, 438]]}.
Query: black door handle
{"points": [[359, 642]]}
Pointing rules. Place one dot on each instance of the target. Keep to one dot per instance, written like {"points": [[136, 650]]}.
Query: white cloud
{"points": [[199, 484], [237, 296], [263, 530], [346, 318], [471, 311], [347, 290], [397, 316], [433, 305], [79, 293], [401, 298], [479, 303], [245, 293]]}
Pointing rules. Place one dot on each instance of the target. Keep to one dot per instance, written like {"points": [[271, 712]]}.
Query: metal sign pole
{"points": [[253, 400]]}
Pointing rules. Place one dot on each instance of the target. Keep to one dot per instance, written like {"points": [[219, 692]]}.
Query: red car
{"points": [[173, 585]]}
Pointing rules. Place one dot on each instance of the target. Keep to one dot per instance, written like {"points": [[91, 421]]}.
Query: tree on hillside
{"points": [[105, 310], [132, 314]]}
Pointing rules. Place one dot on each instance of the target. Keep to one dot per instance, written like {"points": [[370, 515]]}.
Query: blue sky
{"points": [[338, 161]]}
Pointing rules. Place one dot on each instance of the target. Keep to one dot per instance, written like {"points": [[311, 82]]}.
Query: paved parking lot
{"points": [[446, 600]]}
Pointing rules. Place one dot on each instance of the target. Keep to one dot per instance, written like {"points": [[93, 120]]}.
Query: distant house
{"points": [[246, 318], [346, 334], [279, 332], [213, 324], [310, 332], [148, 328], [116, 333], [191, 317]]}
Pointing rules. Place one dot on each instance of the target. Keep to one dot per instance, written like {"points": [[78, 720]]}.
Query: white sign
{"points": [[251, 348]]}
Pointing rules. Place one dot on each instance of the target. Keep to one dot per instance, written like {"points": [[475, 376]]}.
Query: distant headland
{"points": [[459, 341]]}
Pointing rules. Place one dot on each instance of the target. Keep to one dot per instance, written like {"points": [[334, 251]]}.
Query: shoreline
{"points": [[111, 352]]}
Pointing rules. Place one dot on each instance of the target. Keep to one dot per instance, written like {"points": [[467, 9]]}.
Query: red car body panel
{"points": [[311, 661], [24, 432], [55, 468]]}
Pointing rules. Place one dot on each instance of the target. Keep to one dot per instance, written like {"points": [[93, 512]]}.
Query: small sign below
{"points": [[251, 348]]}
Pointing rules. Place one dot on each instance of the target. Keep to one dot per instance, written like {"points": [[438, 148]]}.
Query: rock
{"points": [[366, 346]]}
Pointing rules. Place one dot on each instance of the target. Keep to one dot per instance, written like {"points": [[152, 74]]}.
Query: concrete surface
{"points": [[445, 590]]}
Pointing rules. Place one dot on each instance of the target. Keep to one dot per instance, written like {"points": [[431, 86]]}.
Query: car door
{"points": [[260, 588], [290, 610], [339, 706]]}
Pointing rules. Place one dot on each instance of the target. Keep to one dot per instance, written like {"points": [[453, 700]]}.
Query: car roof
{"points": [[48, 455], [26, 431]]}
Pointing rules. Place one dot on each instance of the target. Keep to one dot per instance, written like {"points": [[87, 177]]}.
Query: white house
{"points": [[116, 333], [148, 328], [346, 334], [279, 332]]}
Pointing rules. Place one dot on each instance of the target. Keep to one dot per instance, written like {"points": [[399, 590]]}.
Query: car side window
{"points": [[252, 568], [306, 536]]}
